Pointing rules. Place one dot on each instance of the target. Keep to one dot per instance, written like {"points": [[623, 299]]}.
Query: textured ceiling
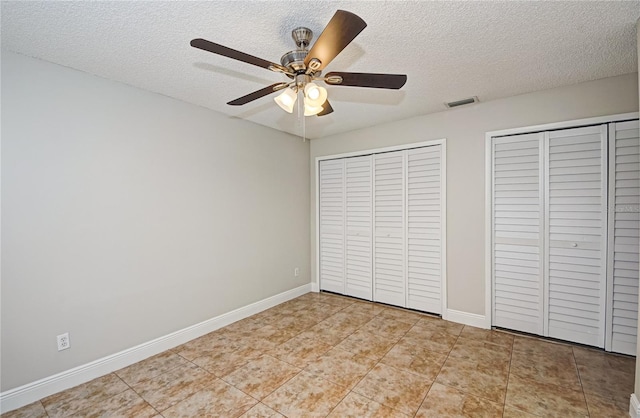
{"points": [[449, 50]]}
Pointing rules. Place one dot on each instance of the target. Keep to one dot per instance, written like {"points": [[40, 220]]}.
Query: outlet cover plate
{"points": [[63, 341]]}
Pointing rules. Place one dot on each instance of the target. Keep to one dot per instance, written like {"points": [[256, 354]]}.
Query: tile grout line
{"points": [[584, 395], [440, 370], [504, 402]]}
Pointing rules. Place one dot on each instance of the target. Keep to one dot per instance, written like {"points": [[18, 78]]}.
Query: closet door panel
{"points": [[359, 269], [624, 223], [424, 217], [332, 225], [389, 224], [576, 206], [517, 233]]}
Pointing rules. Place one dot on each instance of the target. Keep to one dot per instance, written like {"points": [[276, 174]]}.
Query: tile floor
{"points": [[326, 355]]}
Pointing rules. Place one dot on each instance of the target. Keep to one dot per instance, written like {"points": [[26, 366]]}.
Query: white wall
{"points": [[465, 128], [127, 215]]}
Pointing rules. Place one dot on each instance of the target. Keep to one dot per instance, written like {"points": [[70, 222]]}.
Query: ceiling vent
{"points": [[462, 102]]}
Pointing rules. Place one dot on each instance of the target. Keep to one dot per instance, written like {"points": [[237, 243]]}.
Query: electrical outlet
{"points": [[63, 341], [296, 271]]}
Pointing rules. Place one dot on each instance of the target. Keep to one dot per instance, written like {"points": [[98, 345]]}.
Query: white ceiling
{"points": [[449, 50]]}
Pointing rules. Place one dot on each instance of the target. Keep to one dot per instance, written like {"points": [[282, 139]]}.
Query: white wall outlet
{"points": [[296, 271], [63, 341]]}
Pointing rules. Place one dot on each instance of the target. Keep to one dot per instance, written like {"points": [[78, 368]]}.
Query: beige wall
{"points": [[465, 128], [127, 215]]}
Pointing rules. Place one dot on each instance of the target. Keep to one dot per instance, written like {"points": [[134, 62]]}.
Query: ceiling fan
{"points": [[304, 66]]}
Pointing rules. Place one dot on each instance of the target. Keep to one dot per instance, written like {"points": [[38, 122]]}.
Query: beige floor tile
{"points": [[387, 357], [300, 351], [479, 350], [322, 311], [125, 404], [341, 367], [347, 320], [538, 346], [218, 399], [150, 368], [603, 361], [387, 327], [432, 339], [415, 359], [364, 308], [172, 387], [440, 324], [401, 315], [475, 378], [209, 344], [511, 412], [488, 335], [268, 337], [295, 324], [544, 399], [223, 363], [261, 376], [607, 383], [367, 344], [336, 328], [605, 407], [33, 410], [261, 410], [306, 395], [81, 397], [357, 406], [559, 369], [252, 323], [397, 389], [335, 300], [443, 401]]}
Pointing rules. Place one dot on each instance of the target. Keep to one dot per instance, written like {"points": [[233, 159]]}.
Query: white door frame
{"points": [[443, 218], [488, 304]]}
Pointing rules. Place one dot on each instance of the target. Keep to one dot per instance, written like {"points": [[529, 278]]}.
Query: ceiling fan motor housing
{"points": [[294, 60]]}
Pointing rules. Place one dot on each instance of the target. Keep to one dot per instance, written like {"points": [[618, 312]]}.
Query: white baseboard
{"points": [[634, 406], [315, 287], [466, 318], [31, 392]]}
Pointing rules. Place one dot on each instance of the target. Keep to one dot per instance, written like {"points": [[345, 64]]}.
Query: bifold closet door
{"points": [[624, 223], [332, 225], [389, 228], [358, 238], [518, 234], [424, 228], [576, 213]]}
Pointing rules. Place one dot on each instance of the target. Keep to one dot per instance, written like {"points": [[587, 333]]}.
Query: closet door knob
{"points": [[575, 244]]}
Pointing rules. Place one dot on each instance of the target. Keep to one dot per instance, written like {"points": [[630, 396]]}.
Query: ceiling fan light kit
{"points": [[304, 67]]}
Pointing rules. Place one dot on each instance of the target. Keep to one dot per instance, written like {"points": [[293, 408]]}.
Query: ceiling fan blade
{"points": [[326, 109], [379, 81], [236, 55], [339, 32], [257, 94]]}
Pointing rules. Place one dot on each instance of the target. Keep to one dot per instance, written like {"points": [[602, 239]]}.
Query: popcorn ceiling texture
{"points": [[449, 50]]}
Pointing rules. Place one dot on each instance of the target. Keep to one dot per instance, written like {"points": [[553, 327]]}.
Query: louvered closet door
{"points": [[424, 217], [389, 239], [332, 227], [624, 185], [359, 277], [518, 233], [577, 234]]}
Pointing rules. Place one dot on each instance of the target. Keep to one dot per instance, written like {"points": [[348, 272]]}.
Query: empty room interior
{"points": [[310, 209]]}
